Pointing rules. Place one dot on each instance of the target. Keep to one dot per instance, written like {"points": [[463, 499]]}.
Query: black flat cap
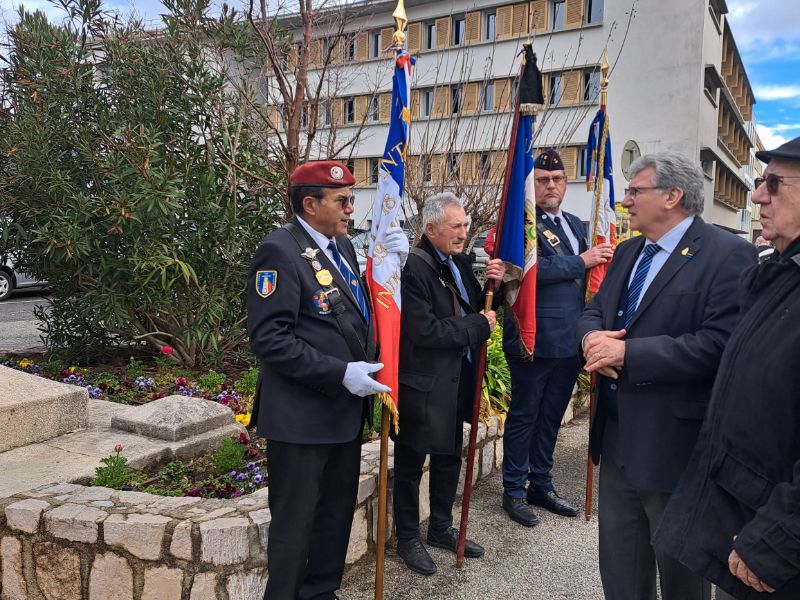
{"points": [[788, 151]]}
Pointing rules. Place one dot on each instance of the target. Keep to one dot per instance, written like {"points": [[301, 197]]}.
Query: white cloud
{"points": [[759, 23], [785, 127], [776, 92], [769, 138]]}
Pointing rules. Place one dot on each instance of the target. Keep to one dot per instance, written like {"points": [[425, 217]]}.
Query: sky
{"points": [[767, 33]]}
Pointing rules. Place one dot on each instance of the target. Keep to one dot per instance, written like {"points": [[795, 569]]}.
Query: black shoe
{"points": [[551, 501], [519, 511], [448, 539], [416, 556]]}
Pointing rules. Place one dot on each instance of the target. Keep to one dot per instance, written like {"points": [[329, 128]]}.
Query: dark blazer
{"points": [[302, 351], [560, 293], [744, 478], [673, 348], [432, 345]]}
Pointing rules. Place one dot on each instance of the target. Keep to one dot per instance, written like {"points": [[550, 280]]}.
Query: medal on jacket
{"points": [[310, 253], [324, 277]]}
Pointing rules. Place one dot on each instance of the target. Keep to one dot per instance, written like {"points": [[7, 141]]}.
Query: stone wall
{"points": [[66, 541]]}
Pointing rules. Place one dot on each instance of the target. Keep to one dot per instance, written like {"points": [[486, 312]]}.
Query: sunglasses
{"points": [[773, 182]]}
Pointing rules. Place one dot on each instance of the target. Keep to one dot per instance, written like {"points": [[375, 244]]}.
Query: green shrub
{"points": [[496, 394], [53, 367], [114, 471], [247, 384], [107, 379], [211, 381], [228, 457], [135, 368]]}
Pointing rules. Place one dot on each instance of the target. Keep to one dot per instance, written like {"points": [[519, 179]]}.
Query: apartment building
{"points": [[677, 81]]}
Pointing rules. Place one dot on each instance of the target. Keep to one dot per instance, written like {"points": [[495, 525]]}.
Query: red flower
{"points": [[244, 438], [167, 350], [181, 381], [119, 448], [223, 387]]}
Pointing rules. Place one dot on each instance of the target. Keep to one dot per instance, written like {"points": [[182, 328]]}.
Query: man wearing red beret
{"points": [[310, 325]]}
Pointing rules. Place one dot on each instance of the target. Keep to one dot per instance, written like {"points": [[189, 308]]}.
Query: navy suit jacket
{"points": [[672, 350], [559, 299]]}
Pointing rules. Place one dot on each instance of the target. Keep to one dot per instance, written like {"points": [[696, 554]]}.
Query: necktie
{"points": [[562, 234], [351, 278], [462, 292], [637, 283]]}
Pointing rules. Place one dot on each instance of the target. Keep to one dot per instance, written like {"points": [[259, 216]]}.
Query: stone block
{"points": [[367, 484], [111, 578], [224, 541], [74, 522], [498, 453], [247, 586], [139, 534], [86, 495], [14, 586], [24, 515], [569, 414], [173, 418], [204, 443], [58, 571], [487, 459], [359, 535], [462, 477], [425, 496], [34, 409], [389, 518], [204, 587], [181, 546], [162, 583], [481, 432], [491, 432], [262, 519], [59, 489]]}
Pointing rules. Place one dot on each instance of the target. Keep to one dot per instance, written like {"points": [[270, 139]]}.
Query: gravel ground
{"points": [[556, 560]]}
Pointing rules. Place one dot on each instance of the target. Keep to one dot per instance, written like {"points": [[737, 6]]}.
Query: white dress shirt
{"points": [[668, 242], [572, 239]]}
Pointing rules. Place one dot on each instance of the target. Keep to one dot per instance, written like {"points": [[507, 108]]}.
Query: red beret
{"points": [[323, 173]]}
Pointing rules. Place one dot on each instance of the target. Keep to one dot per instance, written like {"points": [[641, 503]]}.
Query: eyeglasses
{"points": [[635, 191], [773, 182], [557, 179]]}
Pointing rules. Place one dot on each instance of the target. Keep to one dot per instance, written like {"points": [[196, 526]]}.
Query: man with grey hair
{"points": [[442, 329], [654, 333]]}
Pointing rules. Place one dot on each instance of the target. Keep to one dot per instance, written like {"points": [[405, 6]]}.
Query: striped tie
{"points": [[637, 283], [351, 278]]}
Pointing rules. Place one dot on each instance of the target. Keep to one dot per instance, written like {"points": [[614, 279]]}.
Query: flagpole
{"points": [[598, 199], [481, 366], [398, 41]]}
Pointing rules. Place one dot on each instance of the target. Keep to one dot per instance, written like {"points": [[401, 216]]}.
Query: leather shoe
{"points": [[448, 539], [551, 501], [416, 556], [519, 511]]}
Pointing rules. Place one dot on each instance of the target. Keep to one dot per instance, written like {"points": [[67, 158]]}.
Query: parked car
{"points": [[360, 241], [12, 279], [477, 252]]}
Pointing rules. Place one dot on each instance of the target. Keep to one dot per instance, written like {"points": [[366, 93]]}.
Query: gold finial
{"points": [[400, 21], [604, 66]]}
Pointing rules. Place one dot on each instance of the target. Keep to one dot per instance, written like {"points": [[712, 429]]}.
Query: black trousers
{"points": [[628, 518], [312, 497], [444, 472]]}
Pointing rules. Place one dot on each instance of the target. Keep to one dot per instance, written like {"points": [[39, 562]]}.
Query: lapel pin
{"points": [[685, 252]]}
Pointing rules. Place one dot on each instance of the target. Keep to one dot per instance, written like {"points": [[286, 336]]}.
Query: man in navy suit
{"points": [[542, 387], [655, 333]]}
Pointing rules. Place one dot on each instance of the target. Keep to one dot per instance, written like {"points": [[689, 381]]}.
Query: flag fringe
{"points": [[529, 110], [388, 402]]}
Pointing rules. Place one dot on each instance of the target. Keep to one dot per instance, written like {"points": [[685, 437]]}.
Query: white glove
{"points": [[396, 241], [358, 382]]}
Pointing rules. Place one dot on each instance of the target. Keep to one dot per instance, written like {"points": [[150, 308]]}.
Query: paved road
{"points": [[556, 560], [18, 326]]}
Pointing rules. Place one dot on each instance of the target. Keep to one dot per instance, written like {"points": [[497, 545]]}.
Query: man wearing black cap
{"points": [[310, 325], [542, 387], [734, 518]]}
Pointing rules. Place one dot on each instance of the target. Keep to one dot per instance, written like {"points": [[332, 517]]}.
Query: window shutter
{"points": [[546, 88], [538, 15], [498, 166], [272, 117], [441, 101], [437, 168], [573, 87], [384, 107], [386, 38], [473, 25], [414, 37], [519, 19], [470, 100], [361, 108], [503, 19], [362, 45], [414, 104], [361, 171], [315, 54], [574, 16], [502, 94], [337, 112], [443, 32], [570, 157], [468, 168]]}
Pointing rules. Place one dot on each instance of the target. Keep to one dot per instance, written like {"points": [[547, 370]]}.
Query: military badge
{"points": [[316, 265], [321, 303], [337, 173], [324, 277], [266, 283], [309, 253], [552, 238]]}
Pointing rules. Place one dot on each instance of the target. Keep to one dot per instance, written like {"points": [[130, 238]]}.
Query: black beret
{"points": [[788, 151], [549, 160]]}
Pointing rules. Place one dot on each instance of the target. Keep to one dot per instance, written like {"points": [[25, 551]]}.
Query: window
{"points": [[304, 115], [425, 170], [327, 112], [455, 99], [594, 11], [350, 49], [375, 44], [349, 110], [426, 102], [453, 165], [373, 170], [458, 31], [374, 109], [351, 165], [559, 9], [490, 26], [591, 86], [484, 165], [583, 163], [488, 96], [430, 36], [556, 89]]}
